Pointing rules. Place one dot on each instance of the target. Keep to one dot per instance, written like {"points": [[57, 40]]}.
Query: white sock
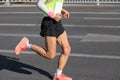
{"points": [[58, 72], [29, 44]]}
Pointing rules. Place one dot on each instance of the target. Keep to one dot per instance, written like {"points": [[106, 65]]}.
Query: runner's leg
{"points": [[63, 42], [50, 51]]}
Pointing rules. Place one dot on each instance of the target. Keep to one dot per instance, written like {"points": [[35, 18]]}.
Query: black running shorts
{"points": [[50, 27]]}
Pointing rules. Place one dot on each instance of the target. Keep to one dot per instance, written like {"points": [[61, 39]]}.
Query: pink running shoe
{"points": [[21, 46], [61, 77]]}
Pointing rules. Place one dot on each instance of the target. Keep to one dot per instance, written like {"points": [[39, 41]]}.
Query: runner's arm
{"points": [[41, 5]]}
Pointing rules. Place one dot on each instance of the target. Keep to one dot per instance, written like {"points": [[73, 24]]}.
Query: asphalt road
{"points": [[93, 33]]}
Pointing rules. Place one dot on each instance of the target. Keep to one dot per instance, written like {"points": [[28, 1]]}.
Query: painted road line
{"points": [[24, 25], [100, 38], [65, 25], [84, 38], [100, 18], [70, 12], [95, 12], [72, 54], [33, 25], [33, 35]]}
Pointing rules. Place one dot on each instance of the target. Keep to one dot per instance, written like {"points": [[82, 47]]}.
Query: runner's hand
{"points": [[58, 17], [66, 14]]}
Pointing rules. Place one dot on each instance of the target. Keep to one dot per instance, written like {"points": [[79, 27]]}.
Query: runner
{"points": [[54, 33]]}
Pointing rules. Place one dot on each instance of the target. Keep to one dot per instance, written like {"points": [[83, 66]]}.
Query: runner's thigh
{"points": [[50, 43]]}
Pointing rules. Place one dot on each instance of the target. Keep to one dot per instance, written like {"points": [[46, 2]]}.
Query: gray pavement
{"points": [[93, 33]]}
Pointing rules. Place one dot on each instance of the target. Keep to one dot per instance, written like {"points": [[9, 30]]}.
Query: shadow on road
{"points": [[13, 64]]}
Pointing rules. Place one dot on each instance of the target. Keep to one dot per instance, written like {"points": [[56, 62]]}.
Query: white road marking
{"points": [[85, 38], [95, 12], [72, 55], [22, 25], [100, 38], [33, 35], [18, 35], [65, 25], [70, 12], [32, 25], [20, 12], [101, 18]]}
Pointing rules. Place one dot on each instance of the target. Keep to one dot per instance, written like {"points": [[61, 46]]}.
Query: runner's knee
{"points": [[51, 55], [66, 50]]}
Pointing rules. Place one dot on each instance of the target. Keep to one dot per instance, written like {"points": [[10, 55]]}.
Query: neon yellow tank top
{"points": [[51, 5]]}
